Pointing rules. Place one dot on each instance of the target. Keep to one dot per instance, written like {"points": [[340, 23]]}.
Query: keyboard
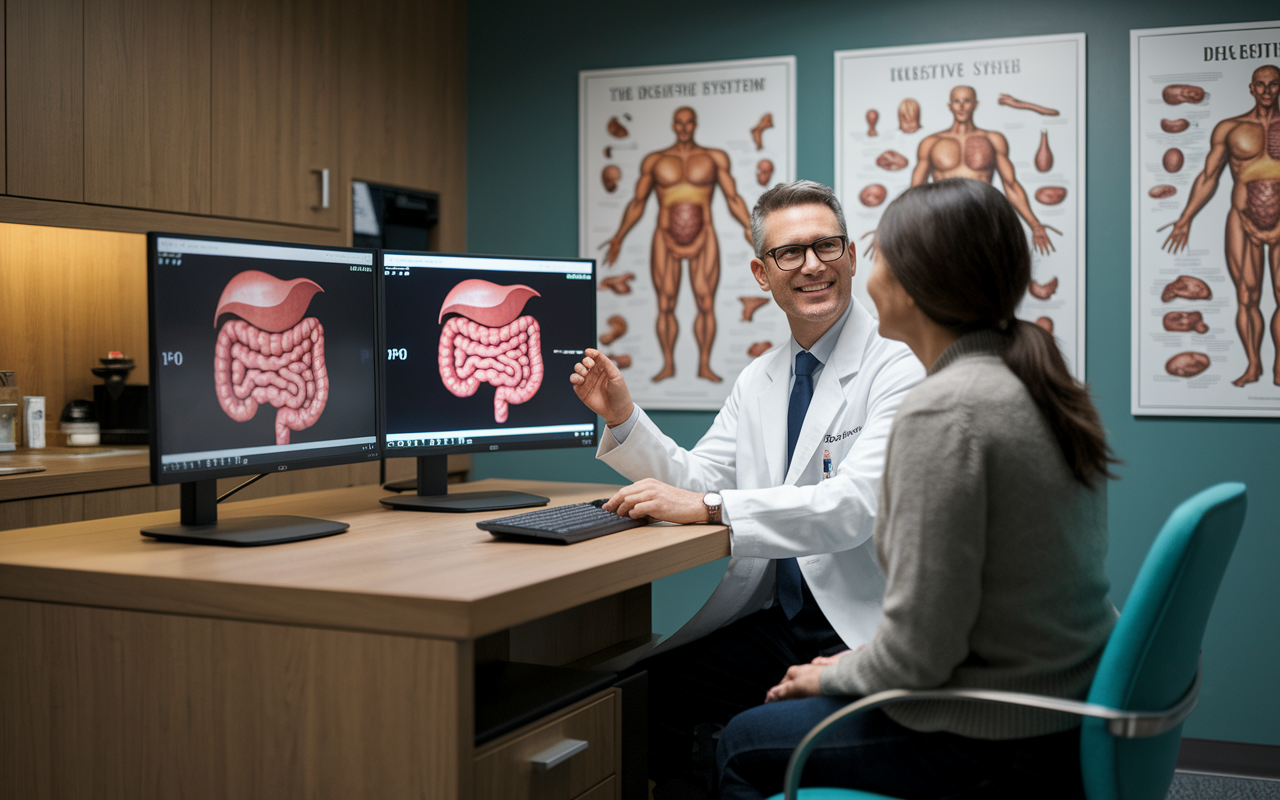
{"points": [[562, 524]]}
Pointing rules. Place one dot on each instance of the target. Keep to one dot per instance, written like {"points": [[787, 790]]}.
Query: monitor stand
{"points": [[200, 524], [433, 493]]}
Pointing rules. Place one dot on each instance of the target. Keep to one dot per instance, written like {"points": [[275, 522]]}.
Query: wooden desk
{"points": [[338, 667], [81, 483]]}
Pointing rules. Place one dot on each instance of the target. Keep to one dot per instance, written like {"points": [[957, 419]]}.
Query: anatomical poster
{"points": [[1205, 160], [672, 160], [1010, 112]]}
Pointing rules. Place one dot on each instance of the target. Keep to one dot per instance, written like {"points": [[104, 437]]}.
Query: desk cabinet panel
{"points": [[120, 704], [504, 770]]}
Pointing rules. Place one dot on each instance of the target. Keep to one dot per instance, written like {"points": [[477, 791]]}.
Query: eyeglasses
{"points": [[791, 256]]}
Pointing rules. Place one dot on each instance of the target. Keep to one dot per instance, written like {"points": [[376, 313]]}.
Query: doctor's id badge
{"points": [[827, 469]]}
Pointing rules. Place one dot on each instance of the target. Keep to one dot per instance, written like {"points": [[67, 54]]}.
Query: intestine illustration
{"points": [[271, 354], [489, 342]]}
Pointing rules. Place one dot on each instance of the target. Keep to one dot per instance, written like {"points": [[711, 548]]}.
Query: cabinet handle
{"points": [[324, 189], [560, 753]]}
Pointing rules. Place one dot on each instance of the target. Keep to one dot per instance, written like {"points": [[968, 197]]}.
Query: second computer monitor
{"points": [[479, 350]]}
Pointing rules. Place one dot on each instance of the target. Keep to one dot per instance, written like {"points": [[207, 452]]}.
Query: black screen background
{"points": [[416, 398], [189, 417]]}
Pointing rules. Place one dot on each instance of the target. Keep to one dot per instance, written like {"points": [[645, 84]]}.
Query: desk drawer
{"points": [[504, 769]]}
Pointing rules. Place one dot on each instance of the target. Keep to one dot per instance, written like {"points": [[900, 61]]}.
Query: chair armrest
{"points": [[1121, 724]]}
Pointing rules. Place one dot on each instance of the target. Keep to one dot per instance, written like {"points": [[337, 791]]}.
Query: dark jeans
{"points": [[722, 674], [873, 753]]}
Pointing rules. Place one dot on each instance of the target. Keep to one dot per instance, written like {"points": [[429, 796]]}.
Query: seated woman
{"points": [[991, 533]]}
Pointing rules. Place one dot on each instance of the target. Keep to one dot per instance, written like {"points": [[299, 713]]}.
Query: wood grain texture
{"points": [[117, 704], [44, 96], [503, 770], [575, 633], [73, 470], [70, 297], [98, 482], [404, 106], [608, 789], [393, 571], [146, 104], [275, 110], [29, 211], [41, 511], [3, 115], [118, 502]]}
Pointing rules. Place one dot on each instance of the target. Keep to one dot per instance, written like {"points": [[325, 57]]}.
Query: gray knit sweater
{"points": [[993, 555]]}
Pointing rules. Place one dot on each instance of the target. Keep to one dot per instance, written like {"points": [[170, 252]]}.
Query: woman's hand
{"points": [[800, 681], [803, 680], [827, 661]]}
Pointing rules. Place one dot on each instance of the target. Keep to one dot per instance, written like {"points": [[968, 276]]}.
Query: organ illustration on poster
{"points": [[269, 352], [1010, 112], [489, 341], [672, 159], [1205, 156]]}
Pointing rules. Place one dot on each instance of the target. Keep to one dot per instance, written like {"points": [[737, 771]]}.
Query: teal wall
{"points": [[522, 184]]}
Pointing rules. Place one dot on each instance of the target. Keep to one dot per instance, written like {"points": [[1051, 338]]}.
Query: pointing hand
{"points": [[599, 384]]}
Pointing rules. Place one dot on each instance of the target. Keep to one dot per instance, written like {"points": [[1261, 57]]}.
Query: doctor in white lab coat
{"points": [[816, 504]]}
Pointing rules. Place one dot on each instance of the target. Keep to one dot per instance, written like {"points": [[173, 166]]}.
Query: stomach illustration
{"points": [[489, 342], [273, 354]]}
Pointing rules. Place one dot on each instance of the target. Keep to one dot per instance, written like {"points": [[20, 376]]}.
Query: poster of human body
{"points": [[1010, 112], [1206, 220], [672, 159]]}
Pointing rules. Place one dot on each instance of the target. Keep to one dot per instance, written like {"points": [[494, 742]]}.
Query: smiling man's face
{"points": [[816, 294]]}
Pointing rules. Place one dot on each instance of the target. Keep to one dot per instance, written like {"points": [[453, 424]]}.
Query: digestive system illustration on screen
{"points": [[490, 342], [272, 354]]}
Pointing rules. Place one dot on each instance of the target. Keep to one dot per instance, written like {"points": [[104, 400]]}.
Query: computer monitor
{"points": [[263, 360], [479, 350]]}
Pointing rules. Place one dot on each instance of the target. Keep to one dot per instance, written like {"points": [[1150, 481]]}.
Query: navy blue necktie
{"points": [[790, 581]]}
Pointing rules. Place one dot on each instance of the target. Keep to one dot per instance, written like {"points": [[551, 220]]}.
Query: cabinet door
{"points": [[44, 81], [275, 110], [146, 104], [404, 102]]}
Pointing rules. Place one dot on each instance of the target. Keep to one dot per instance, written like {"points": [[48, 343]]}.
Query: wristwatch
{"points": [[712, 502]]}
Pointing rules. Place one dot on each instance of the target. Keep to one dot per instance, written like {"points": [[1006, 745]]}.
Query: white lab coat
{"points": [[776, 512]]}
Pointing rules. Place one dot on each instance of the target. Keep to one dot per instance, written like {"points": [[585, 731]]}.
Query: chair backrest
{"points": [[1152, 656]]}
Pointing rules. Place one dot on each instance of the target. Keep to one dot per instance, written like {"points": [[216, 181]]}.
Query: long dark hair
{"points": [[959, 250]]}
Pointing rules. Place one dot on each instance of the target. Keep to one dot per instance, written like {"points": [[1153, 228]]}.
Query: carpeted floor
{"points": [[1212, 787]]}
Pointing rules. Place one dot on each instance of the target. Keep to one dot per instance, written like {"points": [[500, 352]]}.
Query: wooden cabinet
{"points": [[146, 104], [230, 112], [404, 102], [505, 769], [44, 82], [275, 111]]}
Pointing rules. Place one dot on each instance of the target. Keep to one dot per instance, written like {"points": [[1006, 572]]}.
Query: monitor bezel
{"points": [[160, 478], [459, 449]]}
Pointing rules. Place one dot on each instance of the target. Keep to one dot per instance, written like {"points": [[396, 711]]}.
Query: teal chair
{"points": [[1152, 661]]}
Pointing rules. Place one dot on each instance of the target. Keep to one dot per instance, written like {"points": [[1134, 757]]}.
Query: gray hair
{"points": [[786, 195]]}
